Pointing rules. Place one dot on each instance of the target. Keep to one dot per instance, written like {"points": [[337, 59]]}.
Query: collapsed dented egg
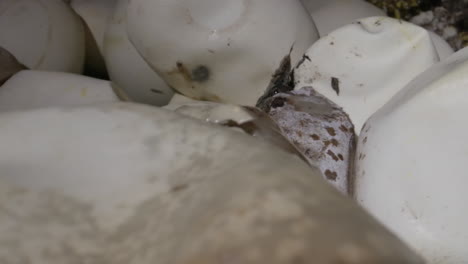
{"points": [[219, 50], [410, 162], [362, 65]]}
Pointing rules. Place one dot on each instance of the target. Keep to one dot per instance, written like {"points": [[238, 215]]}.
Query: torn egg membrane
{"points": [[43, 35], [316, 126], [125, 65], [9, 65], [30, 89], [360, 66], [128, 183], [411, 162], [219, 50]]}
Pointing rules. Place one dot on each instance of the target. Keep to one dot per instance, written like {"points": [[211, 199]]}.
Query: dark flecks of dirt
{"points": [[335, 84], [157, 91], [282, 81], [247, 127], [304, 58], [277, 102], [331, 175], [179, 187], [201, 73], [315, 137]]}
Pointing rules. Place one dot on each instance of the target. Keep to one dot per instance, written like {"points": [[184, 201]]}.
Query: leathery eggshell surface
{"points": [[31, 89], [42, 34], [127, 68], [411, 162], [362, 65], [219, 50], [329, 15], [147, 185]]}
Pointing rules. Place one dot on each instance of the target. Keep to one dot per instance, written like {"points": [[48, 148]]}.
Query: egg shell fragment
{"points": [[411, 158]]}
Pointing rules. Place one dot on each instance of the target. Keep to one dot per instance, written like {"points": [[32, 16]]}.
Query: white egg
{"points": [[362, 65], [219, 50], [126, 183], [42, 34], [32, 89], [329, 15], [96, 15], [410, 163], [127, 68], [443, 48]]}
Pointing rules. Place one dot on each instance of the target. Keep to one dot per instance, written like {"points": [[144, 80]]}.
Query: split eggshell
{"points": [[362, 65], [42, 34], [127, 68], [146, 185], [219, 50], [33, 89], [411, 158]]}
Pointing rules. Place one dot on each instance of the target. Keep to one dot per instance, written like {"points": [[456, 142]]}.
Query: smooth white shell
{"points": [[219, 50], [96, 14], [443, 48], [42, 34], [126, 67], [371, 59], [31, 89], [411, 162], [329, 15], [126, 183]]}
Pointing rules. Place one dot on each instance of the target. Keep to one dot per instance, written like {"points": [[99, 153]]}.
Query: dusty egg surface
{"points": [[147, 184], [410, 162]]}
